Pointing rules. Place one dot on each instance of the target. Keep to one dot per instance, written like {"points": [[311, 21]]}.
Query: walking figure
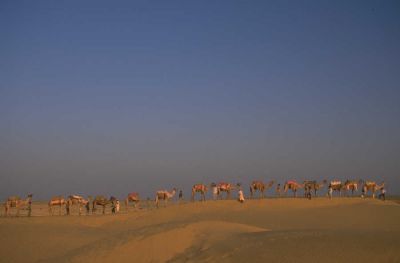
{"points": [[278, 190], [240, 196], [180, 196], [382, 195]]}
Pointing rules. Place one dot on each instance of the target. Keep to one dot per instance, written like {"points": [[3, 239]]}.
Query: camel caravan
{"points": [[76, 204]]}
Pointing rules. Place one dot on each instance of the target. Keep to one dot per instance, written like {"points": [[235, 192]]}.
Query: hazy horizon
{"points": [[110, 98]]}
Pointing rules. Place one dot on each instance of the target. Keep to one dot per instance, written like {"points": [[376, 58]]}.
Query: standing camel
{"points": [[199, 188], [164, 195], [132, 197], [18, 203], [352, 186], [225, 187], [56, 201], [292, 185], [79, 201], [337, 186], [314, 186], [259, 186], [372, 186], [102, 201]]}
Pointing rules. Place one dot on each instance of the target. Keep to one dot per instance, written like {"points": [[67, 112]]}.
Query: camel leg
{"points": [[104, 209]]}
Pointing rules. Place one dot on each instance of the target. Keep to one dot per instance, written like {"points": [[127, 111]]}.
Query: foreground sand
{"points": [[273, 230]]}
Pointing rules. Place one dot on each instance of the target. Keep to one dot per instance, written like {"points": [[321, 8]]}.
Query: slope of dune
{"points": [[284, 230]]}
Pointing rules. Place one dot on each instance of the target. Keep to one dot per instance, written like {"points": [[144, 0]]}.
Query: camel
{"points": [[225, 187], [292, 185], [202, 189], [164, 195], [80, 201], [351, 185], [313, 186], [56, 201], [372, 186], [259, 186], [337, 186], [132, 197], [102, 201], [17, 202]]}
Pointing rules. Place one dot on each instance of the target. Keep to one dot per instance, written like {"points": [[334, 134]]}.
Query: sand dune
{"points": [[275, 230]]}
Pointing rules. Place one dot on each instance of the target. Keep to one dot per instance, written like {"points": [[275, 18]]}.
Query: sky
{"points": [[112, 97]]}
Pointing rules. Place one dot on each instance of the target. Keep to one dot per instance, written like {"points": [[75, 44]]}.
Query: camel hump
{"points": [[291, 182], [75, 197], [100, 198], [14, 198], [310, 182], [336, 182], [199, 187]]}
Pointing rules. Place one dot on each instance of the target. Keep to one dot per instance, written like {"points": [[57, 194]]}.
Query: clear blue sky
{"points": [[109, 97]]}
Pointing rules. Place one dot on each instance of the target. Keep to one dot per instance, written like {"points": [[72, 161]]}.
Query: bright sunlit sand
{"points": [[269, 230]]}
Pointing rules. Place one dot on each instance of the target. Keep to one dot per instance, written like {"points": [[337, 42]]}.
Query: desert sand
{"points": [[268, 230]]}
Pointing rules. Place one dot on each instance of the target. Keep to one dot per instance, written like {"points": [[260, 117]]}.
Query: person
{"points": [[114, 205], [308, 192], [67, 206], [180, 195], [278, 189], [214, 191], [87, 206], [382, 194], [30, 207], [117, 206], [330, 191], [240, 195], [363, 191]]}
